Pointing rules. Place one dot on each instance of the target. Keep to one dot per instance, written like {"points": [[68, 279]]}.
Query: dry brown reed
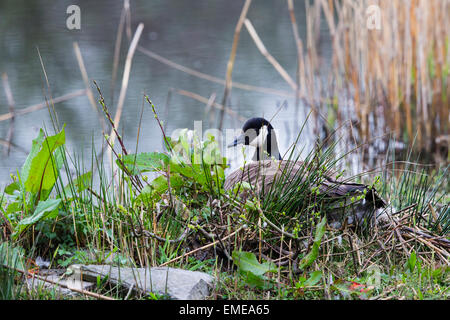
{"points": [[123, 89], [398, 69], [201, 75], [262, 48], [85, 77], [230, 64], [42, 105], [207, 102]]}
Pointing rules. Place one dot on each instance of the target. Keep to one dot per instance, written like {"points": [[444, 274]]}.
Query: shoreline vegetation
{"points": [[170, 209]]}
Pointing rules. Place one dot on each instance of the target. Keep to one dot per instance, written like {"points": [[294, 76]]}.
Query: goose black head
{"points": [[259, 133]]}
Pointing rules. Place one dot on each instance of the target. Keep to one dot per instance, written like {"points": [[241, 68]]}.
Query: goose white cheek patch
{"points": [[260, 138], [251, 135]]}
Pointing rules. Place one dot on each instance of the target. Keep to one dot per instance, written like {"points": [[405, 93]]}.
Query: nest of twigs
{"points": [[227, 232], [402, 233]]}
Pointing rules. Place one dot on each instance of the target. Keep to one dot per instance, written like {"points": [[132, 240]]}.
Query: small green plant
{"points": [[194, 166], [28, 198], [313, 254], [29, 192], [304, 283], [252, 271]]}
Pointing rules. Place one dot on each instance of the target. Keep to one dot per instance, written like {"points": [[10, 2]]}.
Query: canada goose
{"points": [[268, 164]]}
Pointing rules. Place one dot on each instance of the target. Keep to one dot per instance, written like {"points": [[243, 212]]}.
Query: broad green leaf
{"points": [[211, 153], [200, 175], [14, 207], [247, 262], [218, 171], [194, 171], [412, 261], [79, 184], [35, 148], [44, 209], [320, 230], [183, 169], [42, 168], [313, 278], [313, 254], [145, 195], [160, 184], [184, 141], [9, 189], [144, 162], [260, 282]]}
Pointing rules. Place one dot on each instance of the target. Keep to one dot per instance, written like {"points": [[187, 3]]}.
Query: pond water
{"points": [[196, 34]]}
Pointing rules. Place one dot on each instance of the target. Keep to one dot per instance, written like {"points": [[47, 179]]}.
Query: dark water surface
{"points": [[197, 34]]}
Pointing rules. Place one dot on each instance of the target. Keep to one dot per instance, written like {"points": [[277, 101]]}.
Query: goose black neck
{"points": [[269, 142], [268, 148]]}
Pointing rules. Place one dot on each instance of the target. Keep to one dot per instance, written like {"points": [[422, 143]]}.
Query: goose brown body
{"points": [[262, 175], [268, 173]]}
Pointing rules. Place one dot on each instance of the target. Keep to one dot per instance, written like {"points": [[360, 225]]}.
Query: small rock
{"points": [[41, 263]]}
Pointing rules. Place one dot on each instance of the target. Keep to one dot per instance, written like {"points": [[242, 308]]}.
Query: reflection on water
{"points": [[197, 34]]}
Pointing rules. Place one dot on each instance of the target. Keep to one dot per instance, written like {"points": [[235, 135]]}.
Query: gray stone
{"points": [[178, 284], [36, 285]]}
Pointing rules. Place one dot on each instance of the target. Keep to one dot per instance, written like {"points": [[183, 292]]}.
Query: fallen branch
{"points": [[209, 102], [7, 144], [42, 105], [201, 75]]}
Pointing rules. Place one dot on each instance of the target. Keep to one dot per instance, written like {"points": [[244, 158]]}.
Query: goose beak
{"points": [[239, 140]]}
